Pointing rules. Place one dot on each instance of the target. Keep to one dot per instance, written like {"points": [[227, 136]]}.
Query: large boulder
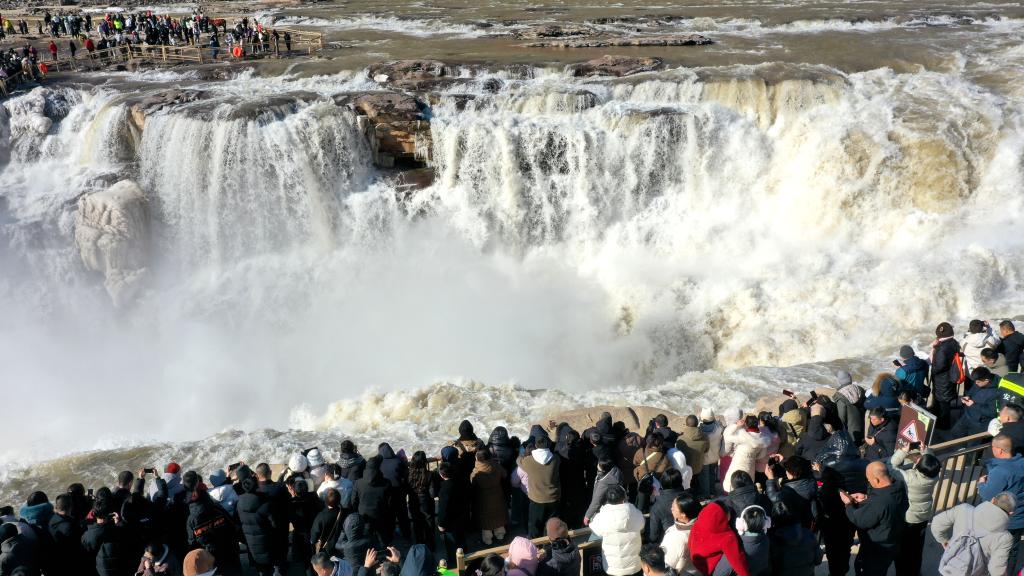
{"points": [[554, 31], [112, 236], [616, 66], [395, 126], [413, 74], [636, 418]]}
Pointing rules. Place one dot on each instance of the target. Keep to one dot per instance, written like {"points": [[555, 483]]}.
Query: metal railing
{"points": [[961, 467]]}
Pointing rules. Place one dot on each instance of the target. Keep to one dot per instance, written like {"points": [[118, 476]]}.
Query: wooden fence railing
{"points": [[961, 467]]}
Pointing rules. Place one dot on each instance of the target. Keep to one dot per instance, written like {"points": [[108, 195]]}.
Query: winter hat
{"points": [[198, 563], [315, 458], [732, 415], [843, 378], [218, 478], [449, 454], [173, 468], [906, 352], [298, 463], [707, 414]]}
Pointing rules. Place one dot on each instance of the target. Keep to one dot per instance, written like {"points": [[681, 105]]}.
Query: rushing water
{"points": [[704, 234]]}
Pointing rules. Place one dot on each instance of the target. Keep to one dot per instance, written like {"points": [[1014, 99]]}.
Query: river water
{"points": [[824, 183]]}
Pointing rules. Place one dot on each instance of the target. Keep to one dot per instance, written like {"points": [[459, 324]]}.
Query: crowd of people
{"points": [[747, 494], [70, 32]]}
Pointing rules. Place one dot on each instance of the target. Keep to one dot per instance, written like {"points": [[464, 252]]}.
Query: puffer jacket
{"points": [[394, 469], [838, 444], [887, 398], [849, 401], [794, 551], [712, 538], [748, 448], [564, 558], [913, 375], [210, 527], [920, 488], [619, 526], [943, 381], [989, 519], [694, 444], [260, 527], [111, 547], [975, 343], [501, 448], [16, 553]]}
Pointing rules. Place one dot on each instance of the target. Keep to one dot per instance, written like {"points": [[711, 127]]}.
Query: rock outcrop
{"points": [[616, 66], [112, 236], [687, 40], [157, 101], [395, 125], [412, 75], [554, 31]]}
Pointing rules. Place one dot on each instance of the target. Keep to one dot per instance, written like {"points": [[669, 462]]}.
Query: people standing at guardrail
{"points": [[545, 486], [452, 512], [1006, 474], [841, 472], [880, 518], [1011, 345], [620, 525], [946, 373]]}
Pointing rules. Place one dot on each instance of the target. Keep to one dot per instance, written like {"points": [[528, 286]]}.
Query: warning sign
{"points": [[916, 424]]}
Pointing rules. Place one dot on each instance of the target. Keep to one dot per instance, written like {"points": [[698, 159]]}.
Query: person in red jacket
{"points": [[712, 540], [53, 50]]}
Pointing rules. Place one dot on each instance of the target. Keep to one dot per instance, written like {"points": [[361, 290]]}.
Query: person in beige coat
{"points": [[990, 518], [748, 446]]}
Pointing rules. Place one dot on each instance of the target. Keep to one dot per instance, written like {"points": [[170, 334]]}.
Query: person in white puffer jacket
{"points": [[223, 492], [978, 337], [748, 446], [619, 525]]}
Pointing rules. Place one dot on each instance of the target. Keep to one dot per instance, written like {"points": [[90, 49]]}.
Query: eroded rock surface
{"points": [[112, 236]]}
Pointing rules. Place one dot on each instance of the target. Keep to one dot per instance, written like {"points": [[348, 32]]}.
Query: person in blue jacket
{"points": [[884, 394], [912, 373], [1006, 474], [979, 404]]}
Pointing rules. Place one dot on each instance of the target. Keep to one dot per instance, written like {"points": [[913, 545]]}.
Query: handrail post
{"points": [[460, 561]]}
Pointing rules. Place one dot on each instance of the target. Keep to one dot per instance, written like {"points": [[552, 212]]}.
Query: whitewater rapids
{"points": [[697, 235]]}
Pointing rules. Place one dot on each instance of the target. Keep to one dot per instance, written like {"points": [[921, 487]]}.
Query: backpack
{"points": [[963, 555], [958, 371]]}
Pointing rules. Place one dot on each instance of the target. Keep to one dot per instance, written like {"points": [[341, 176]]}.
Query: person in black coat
{"points": [[106, 541], [798, 492], [563, 556], [879, 519], [944, 350], [1011, 345], [501, 448], [260, 528], [17, 553], [815, 437], [744, 494], [279, 500], [355, 540], [452, 512], [880, 441], [304, 509], [395, 470], [373, 496], [845, 473], [571, 473], [979, 404], [66, 533], [421, 500], [328, 525], [210, 528], [351, 461], [661, 512]]}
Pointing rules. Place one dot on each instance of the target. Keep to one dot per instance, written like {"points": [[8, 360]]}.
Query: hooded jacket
{"points": [[601, 486], [419, 561], [524, 560], [990, 524], [1006, 475], [913, 375], [849, 402], [354, 541], [501, 448], [887, 398], [694, 444], [225, 496], [619, 526], [712, 539], [544, 481], [373, 493], [393, 468], [489, 508], [564, 558]]}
